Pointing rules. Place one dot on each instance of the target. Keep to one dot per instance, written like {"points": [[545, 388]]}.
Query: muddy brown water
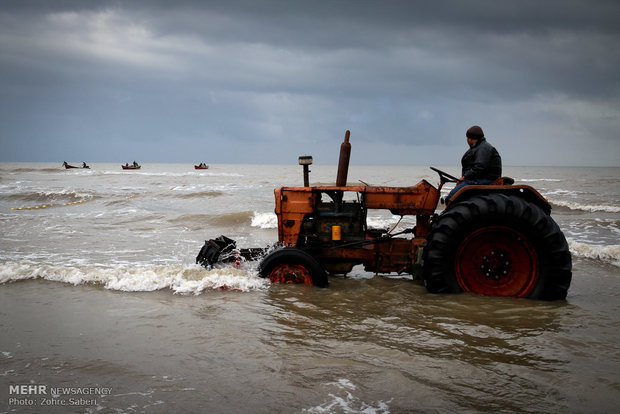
{"points": [[378, 345]]}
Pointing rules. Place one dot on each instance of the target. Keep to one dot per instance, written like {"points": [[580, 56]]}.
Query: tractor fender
{"points": [[525, 192]]}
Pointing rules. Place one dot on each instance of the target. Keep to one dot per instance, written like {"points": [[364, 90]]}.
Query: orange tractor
{"points": [[494, 239]]}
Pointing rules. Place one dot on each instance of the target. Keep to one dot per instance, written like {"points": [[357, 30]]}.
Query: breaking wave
{"points": [[590, 208], [533, 180], [607, 254], [180, 279], [255, 219], [265, 220], [53, 196], [270, 221], [232, 219]]}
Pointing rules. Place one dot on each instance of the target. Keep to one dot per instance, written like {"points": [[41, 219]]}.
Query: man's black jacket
{"points": [[482, 161]]}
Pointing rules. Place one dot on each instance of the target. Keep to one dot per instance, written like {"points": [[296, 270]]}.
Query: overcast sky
{"points": [[250, 81]]}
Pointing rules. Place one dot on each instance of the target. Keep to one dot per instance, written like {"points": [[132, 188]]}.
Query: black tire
{"points": [[289, 256], [460, 249]]}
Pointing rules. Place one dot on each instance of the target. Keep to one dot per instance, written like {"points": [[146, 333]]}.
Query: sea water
{"points": [[99, 288]]}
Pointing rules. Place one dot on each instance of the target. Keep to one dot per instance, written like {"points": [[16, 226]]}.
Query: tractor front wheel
{"points": [[290, 265], [497, 245]]}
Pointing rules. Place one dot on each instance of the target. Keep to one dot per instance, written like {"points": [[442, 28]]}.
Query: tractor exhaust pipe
{"points": [[343, 163]]}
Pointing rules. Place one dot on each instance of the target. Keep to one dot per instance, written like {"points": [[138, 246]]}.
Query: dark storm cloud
{"points": [[166, 79]]}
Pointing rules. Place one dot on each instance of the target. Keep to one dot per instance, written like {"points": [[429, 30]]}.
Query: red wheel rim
{"points": [[290, 273], [498, 261]]}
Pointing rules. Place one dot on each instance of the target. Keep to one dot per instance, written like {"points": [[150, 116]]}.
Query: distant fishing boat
{"points": [[134, 166], [69, 166], [201, 166]]}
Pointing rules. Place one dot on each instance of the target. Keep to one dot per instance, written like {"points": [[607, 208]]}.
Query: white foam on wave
{"points": [[341, 398], [376, 222], [181, 279], [560, 192], [270, 221], [380, 222], [608, 254], [65, 192], [265, 220], [586, 207]]}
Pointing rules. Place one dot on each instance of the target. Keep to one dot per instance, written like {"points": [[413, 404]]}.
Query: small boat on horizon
{"points": [[69, 166], [134, 166], [201, 166]]}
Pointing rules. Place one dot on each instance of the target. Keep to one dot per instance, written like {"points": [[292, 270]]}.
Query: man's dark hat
{"points": [[474, 132]]}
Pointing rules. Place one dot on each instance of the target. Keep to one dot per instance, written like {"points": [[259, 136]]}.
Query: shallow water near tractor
{"points": [[101, 303]]}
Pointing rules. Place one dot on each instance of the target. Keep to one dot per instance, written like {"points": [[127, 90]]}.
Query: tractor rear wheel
{"points": [[497, 245], [290, 265]]}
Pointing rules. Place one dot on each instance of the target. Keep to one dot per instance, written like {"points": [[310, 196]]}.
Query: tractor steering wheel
{"points": [[444, 176]]}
